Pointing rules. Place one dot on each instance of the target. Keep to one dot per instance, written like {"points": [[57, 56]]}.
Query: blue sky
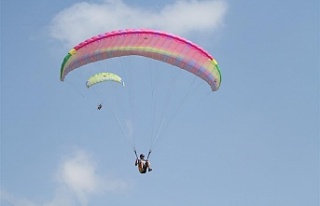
{"points": [[253, 142]]}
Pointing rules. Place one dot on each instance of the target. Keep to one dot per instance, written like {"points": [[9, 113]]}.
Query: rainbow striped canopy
{"points": [[148, 43]]}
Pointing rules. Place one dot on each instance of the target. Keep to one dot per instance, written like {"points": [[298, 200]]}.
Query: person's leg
{"points": [[148, 166]]}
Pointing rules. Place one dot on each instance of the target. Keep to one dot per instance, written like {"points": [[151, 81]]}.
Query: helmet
{"points": [[142, 156]]}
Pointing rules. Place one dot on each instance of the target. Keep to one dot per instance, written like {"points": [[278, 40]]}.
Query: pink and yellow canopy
{"points": [[148, 43]]}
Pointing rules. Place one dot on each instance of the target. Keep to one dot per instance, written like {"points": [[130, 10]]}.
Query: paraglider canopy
{"points": [[148, 43], [102, 77]]}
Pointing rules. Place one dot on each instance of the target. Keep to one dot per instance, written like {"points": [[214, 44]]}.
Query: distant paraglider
{"points": [[103, 77]]}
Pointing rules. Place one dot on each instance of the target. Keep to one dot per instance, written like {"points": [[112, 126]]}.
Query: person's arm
{"points": [[136, 163]]}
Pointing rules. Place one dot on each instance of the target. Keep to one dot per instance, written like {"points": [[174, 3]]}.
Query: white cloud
{"points": [[83, 20], [78, 174], [77, 182]]}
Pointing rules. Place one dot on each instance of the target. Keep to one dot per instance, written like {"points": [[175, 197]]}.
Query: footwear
{"points": [[149, 170]]}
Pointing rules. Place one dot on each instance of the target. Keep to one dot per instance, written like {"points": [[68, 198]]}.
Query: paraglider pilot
{"points": [[143, 165], [99, 106]]}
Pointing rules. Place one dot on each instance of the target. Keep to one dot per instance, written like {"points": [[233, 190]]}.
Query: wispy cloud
{"points": [[79, 174], [77, 182], [83, 20], [7, 197]]}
